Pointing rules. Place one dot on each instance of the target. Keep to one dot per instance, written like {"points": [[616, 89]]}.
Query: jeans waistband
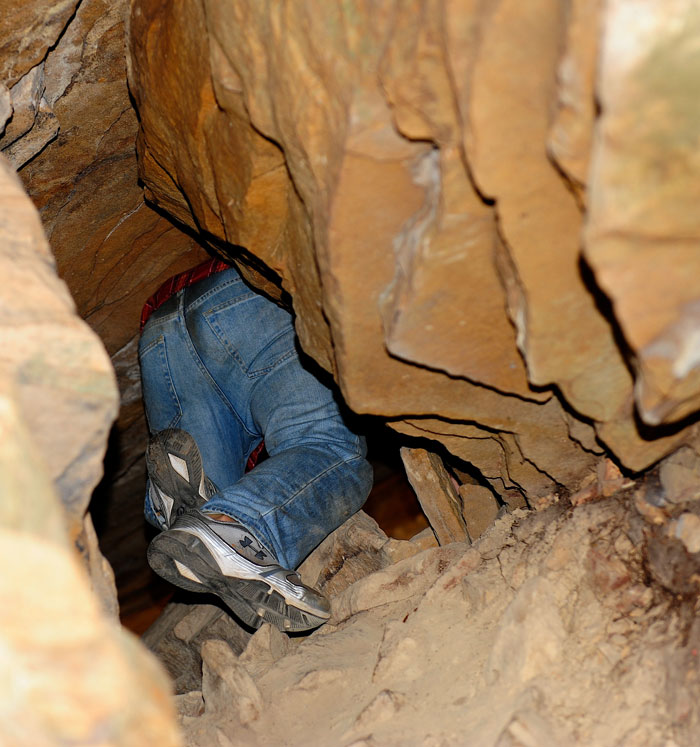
{"points": [[194, 293]]}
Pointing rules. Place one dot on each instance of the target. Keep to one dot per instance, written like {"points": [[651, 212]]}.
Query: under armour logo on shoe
{"points": [[248, 542]]}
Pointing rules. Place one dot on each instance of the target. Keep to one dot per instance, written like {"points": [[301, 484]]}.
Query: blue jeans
{"points": [[220, 361]]}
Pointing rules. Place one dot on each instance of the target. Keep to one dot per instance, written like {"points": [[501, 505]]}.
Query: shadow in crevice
{"points": [[123, 534]]}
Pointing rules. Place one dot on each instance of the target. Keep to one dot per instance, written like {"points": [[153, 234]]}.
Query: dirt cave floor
{"points": [[563, 626]]}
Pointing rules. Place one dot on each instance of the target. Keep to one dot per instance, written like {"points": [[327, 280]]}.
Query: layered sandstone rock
{"points": [[71, 673], [67, 124], [643, 226], [56, 373], [71, 132], [415, 175]]}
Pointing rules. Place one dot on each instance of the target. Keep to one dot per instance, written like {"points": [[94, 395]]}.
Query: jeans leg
{"points": [[224, 367], [316, 476], [179, 393]]}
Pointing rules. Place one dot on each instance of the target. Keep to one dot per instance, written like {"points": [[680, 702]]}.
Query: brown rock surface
{"points": [[363, 222], [547, 630], [62, 380], [642, 226], [571, 132], [111, 248], [479, 507], [509, 119], [416, 177], [27, 31], [437, 495], [383, 195], [71, 672], [26, 101]]}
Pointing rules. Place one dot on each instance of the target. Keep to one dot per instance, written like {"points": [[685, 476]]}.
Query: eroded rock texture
{"points": [[642, 229], [111, 249], [70, 129], [55, 372], [554, 628], [417, 176], [72, 676]]}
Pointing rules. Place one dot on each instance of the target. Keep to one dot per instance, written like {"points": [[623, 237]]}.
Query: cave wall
{"points": [[483, 213], [68, 126], [64, 64], [472, 247], [458, 197], [71, 675], [474, 251]]}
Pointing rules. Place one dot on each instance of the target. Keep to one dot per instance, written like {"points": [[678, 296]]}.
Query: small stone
{"points": [[400, 581], [267, 644], [542, 502], [587, 494], [680, 476], [199, 617], [436, 493], [652, 514], [400, 549], [226, 684], [529, 729], [319, 678], [610, 479], [687, 530], [479, 507], [425, 539], [351, 552], [190, 704]]}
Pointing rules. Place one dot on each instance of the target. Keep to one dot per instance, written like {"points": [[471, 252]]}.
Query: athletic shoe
{"points": [[199, 553], [177, 479]]}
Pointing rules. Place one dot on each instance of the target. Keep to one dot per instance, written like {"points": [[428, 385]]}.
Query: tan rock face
{"points": [[111, 249], [421, 196], [27, 31], [73, 672], [642, 227], [71, 132], [71, 115], [61, 377]]}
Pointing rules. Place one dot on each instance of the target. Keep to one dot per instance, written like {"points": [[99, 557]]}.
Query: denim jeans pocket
{"points": [[255, 333], [164, 410]]}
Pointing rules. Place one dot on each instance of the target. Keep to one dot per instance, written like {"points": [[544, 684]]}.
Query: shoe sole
{"points": [[178, 556], [167, 480]]}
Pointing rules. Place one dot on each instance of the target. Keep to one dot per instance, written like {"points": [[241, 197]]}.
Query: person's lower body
{"points": [[204, 552], [219, 363]]}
